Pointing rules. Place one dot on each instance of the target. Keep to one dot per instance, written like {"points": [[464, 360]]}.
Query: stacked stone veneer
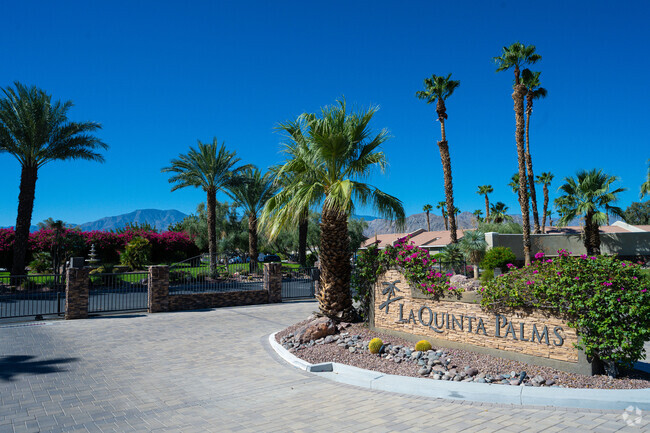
{"points": [[160, 300], [76, 293], [466, 324]]}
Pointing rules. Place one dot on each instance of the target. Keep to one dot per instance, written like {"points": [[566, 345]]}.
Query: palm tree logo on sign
{"points": [[390, 290], [632, 416]]}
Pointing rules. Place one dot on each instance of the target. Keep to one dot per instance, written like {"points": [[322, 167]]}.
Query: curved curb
{"points": [[605, 399]]}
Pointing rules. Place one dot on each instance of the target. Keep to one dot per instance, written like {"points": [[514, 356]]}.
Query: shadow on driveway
{"points": [[13, 365]]}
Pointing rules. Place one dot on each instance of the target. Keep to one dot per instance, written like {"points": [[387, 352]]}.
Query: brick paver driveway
{"points": [[212, 371]]}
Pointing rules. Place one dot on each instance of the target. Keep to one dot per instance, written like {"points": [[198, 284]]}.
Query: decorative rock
{"points": [[550, 382], [522, 376], [457, 378], [539, 379], [329, 339], [436, 376], [416, 355], [316, 329], [352, 349], [424, 371], [472, 371], [480, 380], [514, 382], [513, 373]]}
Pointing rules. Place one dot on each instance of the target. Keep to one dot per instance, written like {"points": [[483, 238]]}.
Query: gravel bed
{"points": [[350, 346]]}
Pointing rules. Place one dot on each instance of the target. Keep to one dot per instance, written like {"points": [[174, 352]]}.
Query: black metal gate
{"points": [[118, 292], [299, 283], [32, 295]]}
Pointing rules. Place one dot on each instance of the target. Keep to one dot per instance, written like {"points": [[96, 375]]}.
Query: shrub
{"points": [[375, 345], [7, 237], [498, 257], [606, 300], [367, 269], [137, 253], [42, 262], [311, 259], [423, 345]]}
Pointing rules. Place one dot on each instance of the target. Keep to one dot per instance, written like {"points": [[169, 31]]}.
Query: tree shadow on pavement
{"points": [[13, 365]]}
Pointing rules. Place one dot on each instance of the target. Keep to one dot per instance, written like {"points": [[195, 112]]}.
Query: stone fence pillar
{"points": [[158, 289], [273, 281], [76, 293]]}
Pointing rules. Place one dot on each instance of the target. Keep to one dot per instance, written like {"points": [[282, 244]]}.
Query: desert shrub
{"points": [[498, 257], [7, 237], [137, 253], [375, 345], [423, 345], [311, 259], [366, 271], [606, 300], [41, 263]]}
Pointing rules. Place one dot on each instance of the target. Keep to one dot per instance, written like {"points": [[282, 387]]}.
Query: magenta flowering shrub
{"points": [[7, 237], [605, 299], [418, 267]]}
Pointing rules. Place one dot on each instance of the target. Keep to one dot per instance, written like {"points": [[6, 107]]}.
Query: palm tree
{"points": [[533, 91], [514, 183], [437, 89], [545, 179], [515, 56], [441, 205], [588, 195], [296, 147], [251, 191], [645, 186], [35, 130], [212, 168], [473, 245], [485, 190], [342, 150], [499, 212], [478, 213], [427, 208]]}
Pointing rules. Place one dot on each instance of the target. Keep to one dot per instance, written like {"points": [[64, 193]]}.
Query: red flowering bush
{"points": [[606, 300], [7, 237]]}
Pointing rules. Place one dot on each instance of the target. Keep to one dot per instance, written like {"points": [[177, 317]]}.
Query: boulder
{"points": [[318, 328]]}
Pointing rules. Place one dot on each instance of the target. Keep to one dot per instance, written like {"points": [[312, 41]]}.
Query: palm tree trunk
{"points": [[444, 216], [529, 166], [518, 97], [252, 242], [487, 209], [26, 197], [592, 237], [334, 297], [545, 208], [428, 223], [303, 226], [449, 188], [212, 232]]}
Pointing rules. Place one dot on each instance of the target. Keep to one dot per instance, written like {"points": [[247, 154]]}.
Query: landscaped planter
{"points": [[529, 336]]}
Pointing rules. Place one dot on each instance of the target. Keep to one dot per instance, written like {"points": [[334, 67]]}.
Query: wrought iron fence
{"points": [[299, 283], [228, 278], [118, 292], [32, 295]]}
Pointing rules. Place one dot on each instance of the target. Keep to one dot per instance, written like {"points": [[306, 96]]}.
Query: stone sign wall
{"points": [[530, 337]]}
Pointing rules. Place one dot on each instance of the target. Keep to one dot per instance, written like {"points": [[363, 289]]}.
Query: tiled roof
{"points": [[419, 238], [579, 229]]}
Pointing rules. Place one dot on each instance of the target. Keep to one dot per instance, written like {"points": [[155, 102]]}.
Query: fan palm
{"points": [[587, 195], [296, 147], [485, 190], [545, 179], [251, 191], [515, 56], [533, 91], [427, 208], [645, 186], [212, 168], [478, 214], [499, 212], [342, 150], [437, 89], [441, 205], [473, 245], [35, 130]]}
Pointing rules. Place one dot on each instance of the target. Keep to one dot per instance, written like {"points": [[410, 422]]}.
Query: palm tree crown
{"points": [[645, 186], [340, 151], [427, 208], [438, 89], [515, 56], [588, 194], [36, 130]]}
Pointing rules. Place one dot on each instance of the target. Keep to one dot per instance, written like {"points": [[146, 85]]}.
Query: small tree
{"points": [[137, 253], [473, 245]]}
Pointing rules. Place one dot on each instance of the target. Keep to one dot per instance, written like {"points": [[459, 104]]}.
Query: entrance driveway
{"points": [[213, 371]]}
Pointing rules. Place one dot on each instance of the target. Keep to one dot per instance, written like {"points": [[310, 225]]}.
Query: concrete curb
{"points": [[606, 399]]}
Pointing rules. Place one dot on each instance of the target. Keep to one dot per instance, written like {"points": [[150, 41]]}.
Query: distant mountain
{"points": [[160, 219], [364, 217]]}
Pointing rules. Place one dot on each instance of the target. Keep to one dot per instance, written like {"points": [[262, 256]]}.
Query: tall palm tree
{"points": [[342, 151], [427, 208], [514, 183], [587, 195], [296, 147], [533, 91], [212, 168], [515, 56], [251, 191], [36, 130], [478, 213], [645, 186], [545, 179], [437, 89], [441, 205], [485, 190], [473, 245], [499, 212]]}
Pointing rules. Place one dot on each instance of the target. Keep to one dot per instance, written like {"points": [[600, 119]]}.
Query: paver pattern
{"points": [[213, 371]]}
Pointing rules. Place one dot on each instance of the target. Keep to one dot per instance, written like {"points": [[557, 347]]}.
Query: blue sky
{"points": [[160, 75]]}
